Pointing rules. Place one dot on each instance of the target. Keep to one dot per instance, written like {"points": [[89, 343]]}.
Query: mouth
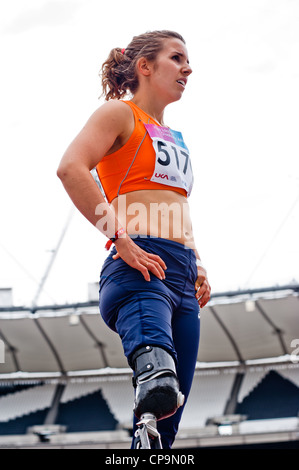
{"points": [[182, 81]]}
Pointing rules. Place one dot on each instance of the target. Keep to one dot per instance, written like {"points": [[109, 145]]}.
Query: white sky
{"points": [[239, 117]]}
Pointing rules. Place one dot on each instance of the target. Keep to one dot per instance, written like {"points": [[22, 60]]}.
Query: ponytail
{"points": [[114, 73]]}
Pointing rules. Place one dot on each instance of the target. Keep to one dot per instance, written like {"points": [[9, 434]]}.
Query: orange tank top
{"points": [[132, 167]]}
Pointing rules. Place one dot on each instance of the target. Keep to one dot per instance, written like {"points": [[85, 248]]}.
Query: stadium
{"points": [[65, 383], [64, 380]]}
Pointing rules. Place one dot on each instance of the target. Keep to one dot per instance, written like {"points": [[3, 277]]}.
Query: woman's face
{"points": [[171, 70]]}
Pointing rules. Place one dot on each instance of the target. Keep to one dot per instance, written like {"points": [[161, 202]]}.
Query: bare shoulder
{"points": [[106, 130], [114, 112], [115, 106], [114, 118]]}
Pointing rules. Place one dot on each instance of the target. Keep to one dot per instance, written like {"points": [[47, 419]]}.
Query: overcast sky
{"points": [[239, 117]]}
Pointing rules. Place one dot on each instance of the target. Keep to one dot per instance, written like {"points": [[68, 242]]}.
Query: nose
{"points": [[187, 70]]}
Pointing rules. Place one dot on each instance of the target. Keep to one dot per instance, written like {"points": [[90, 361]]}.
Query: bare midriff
{"points": [[157, 213]]}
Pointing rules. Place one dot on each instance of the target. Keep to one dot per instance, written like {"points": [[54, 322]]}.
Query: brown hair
{"points": [[118, 72]]}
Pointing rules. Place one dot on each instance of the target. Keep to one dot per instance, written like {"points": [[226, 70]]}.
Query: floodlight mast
{"points": [[52, 259]]}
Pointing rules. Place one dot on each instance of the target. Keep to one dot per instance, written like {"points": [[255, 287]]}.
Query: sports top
{"points": [[154, 157]]}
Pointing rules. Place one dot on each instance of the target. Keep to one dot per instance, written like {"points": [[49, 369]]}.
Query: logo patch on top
{"points": [[173, 165]]}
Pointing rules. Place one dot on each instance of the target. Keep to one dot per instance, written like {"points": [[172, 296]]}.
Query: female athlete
{"points": [[152, 283]]}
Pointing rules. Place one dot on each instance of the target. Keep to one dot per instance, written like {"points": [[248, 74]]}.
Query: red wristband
{"points": [[117, 235]]}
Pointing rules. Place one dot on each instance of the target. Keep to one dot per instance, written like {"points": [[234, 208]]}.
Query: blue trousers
{"points": [[161, 313]]}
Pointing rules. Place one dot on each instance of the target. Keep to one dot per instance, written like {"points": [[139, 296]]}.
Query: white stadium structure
{"points": [[65, 383]]}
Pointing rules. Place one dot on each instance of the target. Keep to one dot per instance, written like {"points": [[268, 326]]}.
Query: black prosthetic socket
{"points": [[156, 383]]}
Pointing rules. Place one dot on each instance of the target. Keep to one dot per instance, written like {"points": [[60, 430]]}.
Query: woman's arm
{"points": [[107, 127]]}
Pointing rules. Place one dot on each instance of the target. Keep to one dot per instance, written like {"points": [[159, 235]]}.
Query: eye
{"points": [[176, 57]]}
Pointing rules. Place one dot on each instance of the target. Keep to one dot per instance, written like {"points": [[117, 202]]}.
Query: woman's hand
{"points": [[139, 259], [202, 287]]}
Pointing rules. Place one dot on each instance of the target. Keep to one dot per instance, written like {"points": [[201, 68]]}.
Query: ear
{"points": [[143, 66]]}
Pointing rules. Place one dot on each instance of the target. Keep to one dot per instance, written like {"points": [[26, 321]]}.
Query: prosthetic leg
{"points": [[157, 393]]}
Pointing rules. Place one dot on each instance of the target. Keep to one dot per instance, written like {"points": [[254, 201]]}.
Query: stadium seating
{"points": [[98, 405], [274, 396], [246, 385]]}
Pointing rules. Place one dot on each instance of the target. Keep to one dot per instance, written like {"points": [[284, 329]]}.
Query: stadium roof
{"points": [[240, 327]]}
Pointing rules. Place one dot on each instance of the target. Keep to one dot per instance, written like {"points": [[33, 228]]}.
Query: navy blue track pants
{"points": [[162, 313]]}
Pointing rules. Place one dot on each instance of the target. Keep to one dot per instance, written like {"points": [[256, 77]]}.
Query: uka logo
{"points": [[161, 175]]}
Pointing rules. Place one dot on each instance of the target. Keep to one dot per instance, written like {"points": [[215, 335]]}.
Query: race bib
{"points": [[172, 165]]}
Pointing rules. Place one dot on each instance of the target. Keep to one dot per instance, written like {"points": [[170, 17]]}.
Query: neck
{"points": [[150, 106]]}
